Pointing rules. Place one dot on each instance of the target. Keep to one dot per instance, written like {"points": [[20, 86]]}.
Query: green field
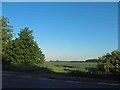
{"points": [[66, 66], [78, 69]]}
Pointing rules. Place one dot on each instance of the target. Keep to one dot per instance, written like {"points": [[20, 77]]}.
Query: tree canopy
{"points": [[23, 49], [7, 35], [110, 62]]}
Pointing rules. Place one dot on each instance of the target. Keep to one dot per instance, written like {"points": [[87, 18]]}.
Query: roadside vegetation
{"points": [[22, 54], [67, 66]]}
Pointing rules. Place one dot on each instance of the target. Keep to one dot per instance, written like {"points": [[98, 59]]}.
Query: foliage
{"points": [[0, 39], [6, 30], [110, 62], [20, 50], [26, 50], [7, 35], [92, 60]]}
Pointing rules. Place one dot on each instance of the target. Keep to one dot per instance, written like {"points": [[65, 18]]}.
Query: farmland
{"points": [[67, 66], [74, 64]]}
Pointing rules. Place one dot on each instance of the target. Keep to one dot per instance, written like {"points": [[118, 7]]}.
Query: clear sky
{"points": [[68, 31]]}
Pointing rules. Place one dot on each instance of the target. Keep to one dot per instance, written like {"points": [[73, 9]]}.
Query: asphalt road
{"points": [[10, 80]]}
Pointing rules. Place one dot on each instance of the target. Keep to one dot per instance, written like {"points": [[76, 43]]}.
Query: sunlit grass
{"points": [[67, 67]]}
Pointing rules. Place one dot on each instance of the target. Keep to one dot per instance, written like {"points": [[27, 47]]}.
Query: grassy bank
{"points": [[77, 69]]}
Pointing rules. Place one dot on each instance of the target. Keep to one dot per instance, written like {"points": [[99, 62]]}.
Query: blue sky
{"points": [[68, 31]]}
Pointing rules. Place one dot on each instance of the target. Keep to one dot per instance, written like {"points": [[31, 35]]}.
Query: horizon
{"points": [[67, 31]]}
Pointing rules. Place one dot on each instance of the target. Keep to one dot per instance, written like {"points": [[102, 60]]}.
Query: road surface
{"points": [[10, 80]]}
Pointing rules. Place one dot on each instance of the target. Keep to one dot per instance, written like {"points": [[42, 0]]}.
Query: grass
{"points": [[66, 67], [56, 67], [27, 68], [73, 64], [78, 69]]}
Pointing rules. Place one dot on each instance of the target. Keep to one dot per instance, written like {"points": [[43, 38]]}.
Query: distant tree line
{"points": [[64, 61], [92, 60], [23, 49], [77, 61]]}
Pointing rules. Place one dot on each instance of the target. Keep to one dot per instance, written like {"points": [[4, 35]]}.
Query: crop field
{"points": [[73, 64], [66, 66]]}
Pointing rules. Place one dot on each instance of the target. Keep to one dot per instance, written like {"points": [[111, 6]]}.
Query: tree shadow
{"points": [[26, 67]]}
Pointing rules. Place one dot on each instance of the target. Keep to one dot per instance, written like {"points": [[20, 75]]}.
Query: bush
{"points": [[110, 62]]}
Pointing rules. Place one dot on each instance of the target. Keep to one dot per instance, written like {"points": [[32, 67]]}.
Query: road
{"points": [[10, 80]]}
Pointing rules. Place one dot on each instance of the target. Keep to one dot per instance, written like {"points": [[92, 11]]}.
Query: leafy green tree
{"points": [[0, 46], [21, 50], [26, 50], [116, 60], [110, 62], [7, 36], [7, 32]]}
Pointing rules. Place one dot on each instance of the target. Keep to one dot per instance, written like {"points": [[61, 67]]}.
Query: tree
{"points": [[21, 50], [26, 50], [7, 36], [7, 33], [110, 62]]}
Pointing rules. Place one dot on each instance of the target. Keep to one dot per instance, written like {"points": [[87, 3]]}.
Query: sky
{"points": [[67, 31], [60, 0]]}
